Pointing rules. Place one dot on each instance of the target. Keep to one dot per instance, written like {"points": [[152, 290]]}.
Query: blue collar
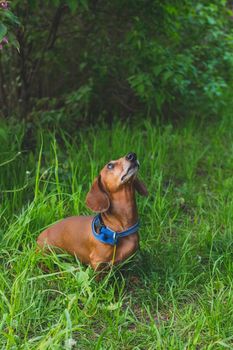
{"points": [[108, 236]]}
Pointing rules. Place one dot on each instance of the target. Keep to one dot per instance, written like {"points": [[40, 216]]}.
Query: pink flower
{"points": [[3, 42], [4, 5]]}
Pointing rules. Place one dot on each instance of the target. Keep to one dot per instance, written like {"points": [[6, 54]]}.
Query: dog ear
{"points": [[140, 187], [97, 199]]}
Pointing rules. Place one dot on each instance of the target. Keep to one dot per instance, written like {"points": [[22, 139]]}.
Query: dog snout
{"points": [[132, 157]]}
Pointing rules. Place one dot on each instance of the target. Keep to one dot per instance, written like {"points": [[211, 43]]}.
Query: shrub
{"points": [[120, 58]]}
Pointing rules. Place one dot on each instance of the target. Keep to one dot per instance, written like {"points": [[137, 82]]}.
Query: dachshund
{"points": [[112, 235]]}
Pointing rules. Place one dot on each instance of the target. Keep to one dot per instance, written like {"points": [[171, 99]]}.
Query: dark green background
{"points": [[81, 61]]}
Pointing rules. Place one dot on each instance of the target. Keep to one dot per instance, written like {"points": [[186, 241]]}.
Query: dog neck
{"points": [[122, 212]]}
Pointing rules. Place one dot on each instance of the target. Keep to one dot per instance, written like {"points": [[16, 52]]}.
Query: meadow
{"points": [[175, 293]]}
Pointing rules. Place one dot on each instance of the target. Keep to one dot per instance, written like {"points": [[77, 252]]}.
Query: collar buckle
{"points": [[108, 236], [115, 237]]}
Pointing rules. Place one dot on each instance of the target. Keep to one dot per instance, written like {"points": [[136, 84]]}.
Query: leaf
{"points": [[84, 4], [167, 75], [11, 17], [157, 70], [73, 4], [3, 31], [211, 20]]}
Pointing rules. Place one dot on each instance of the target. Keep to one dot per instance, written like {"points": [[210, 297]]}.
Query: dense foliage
{"points": [[79, 60]]}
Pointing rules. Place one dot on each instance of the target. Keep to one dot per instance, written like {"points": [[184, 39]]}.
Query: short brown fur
{"points": [[113, 195]]}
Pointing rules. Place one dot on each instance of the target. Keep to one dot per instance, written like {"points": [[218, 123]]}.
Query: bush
{"points": [[120, 58]]}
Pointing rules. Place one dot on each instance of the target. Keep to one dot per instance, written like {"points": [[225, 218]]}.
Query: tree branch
{"points": [[52, 36]]}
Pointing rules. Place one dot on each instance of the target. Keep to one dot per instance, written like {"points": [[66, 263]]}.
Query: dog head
{"points": [[114, 177]]}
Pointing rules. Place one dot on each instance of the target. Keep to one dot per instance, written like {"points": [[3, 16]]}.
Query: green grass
{"points": [[176, 293]]}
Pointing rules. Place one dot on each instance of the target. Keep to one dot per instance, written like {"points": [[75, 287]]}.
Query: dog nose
{"points": [[131, 157]]}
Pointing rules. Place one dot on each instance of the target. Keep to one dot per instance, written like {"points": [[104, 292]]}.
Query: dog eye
{"points": [[110, 166]]}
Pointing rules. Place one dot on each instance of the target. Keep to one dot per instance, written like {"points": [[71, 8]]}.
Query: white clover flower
{"points": [[69, 343]]}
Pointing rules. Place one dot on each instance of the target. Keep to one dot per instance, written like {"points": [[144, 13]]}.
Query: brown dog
{"points": [[113, 195]]}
